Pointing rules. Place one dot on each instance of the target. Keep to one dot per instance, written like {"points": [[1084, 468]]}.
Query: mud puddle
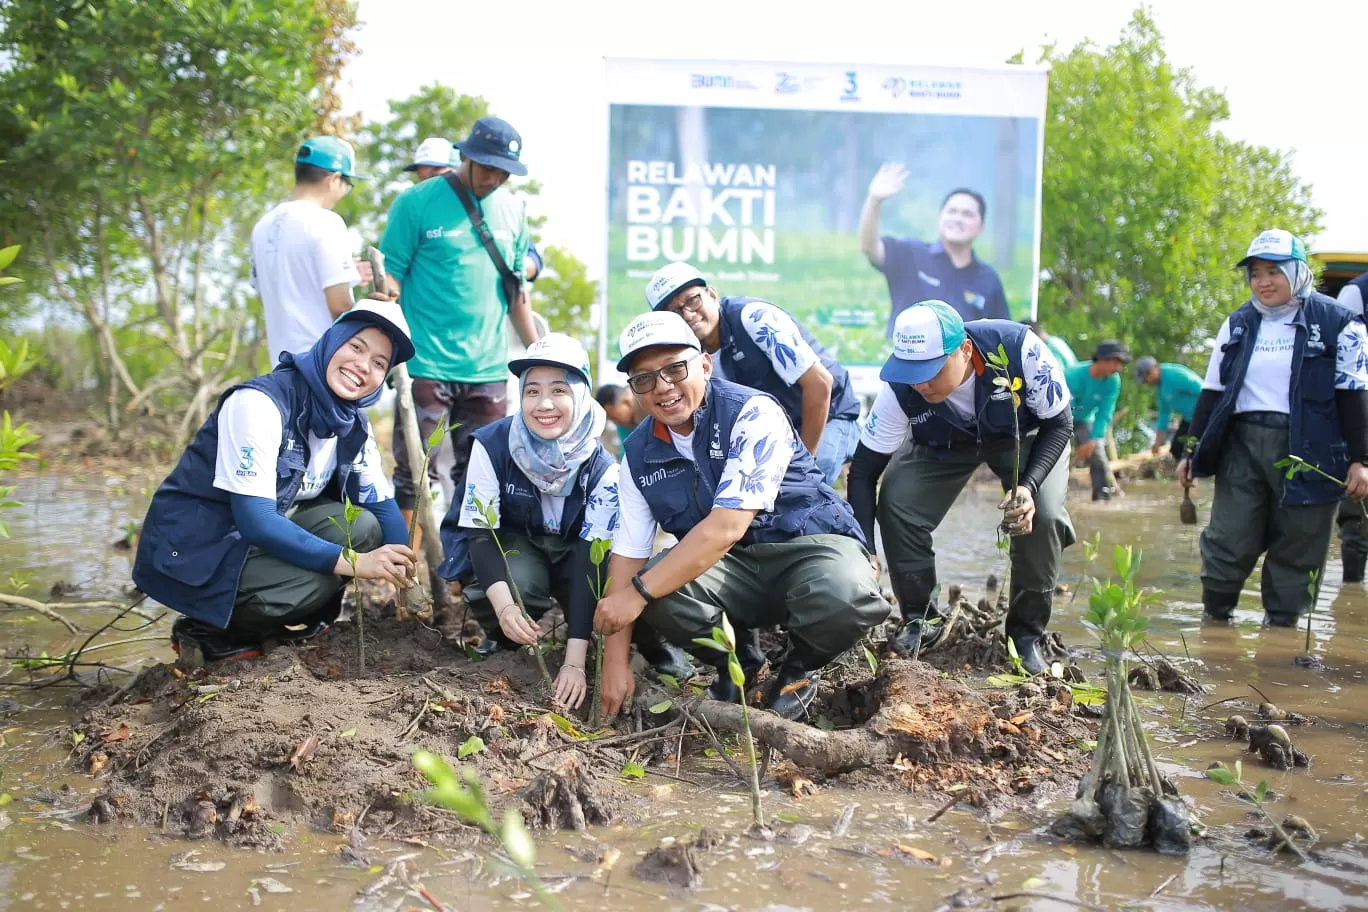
{"points": [[889, 854]]}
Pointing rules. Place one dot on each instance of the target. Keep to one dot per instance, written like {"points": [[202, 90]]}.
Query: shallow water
{"points": [[50, 862]]}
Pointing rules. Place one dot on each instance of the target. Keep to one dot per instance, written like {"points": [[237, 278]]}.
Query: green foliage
{"points": [[566, 296], [350, 512], [723, 639], [1147, 205], [14, 363], [1222, 775], [142, 141], [633, 770], [472, 745], [466, 797], [1114, 607]]}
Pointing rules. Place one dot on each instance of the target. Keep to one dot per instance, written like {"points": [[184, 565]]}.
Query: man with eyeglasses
{"points": [[756, 344], [762, 538], [302, 261]]}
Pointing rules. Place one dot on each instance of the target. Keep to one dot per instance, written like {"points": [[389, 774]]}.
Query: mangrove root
{"points": [[564, 799]]}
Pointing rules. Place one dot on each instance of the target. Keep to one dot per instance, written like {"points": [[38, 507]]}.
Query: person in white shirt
{"points": [[303, 265], [1288, 378]]}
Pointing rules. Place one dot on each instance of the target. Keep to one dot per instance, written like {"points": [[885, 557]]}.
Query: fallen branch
{"points": [[18, 601]]}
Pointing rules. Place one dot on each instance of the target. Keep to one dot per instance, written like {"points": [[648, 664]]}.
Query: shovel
{"points": [[1187, 510]]}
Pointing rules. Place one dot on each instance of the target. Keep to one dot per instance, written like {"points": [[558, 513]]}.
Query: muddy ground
{"points": [[256, 752]]}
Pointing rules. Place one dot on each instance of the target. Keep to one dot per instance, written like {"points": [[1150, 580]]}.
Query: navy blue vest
{"points": [[940, 427], [746, 363], [1362, 283], [681, 491], [519, 500], [190, 554], [1314, 431]]}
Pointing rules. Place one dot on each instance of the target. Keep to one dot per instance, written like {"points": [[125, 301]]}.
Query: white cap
{"points": [[669, 280], [434, 152], [656, 329], [386, 315], [553, 350], [924, 335]]}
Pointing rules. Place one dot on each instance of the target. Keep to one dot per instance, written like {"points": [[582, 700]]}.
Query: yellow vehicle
{"points": [[1338, 269]]}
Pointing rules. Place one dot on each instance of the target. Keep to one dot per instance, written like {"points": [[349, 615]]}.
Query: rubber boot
{"points": [[1353, 562], [923, 624], [1280, 619], [1027, 617], [665, 658], [798, 668], [1218, 606], [316, 624]]}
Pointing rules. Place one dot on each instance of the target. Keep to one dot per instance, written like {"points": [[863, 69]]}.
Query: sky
{"points": [[1294, 74]]}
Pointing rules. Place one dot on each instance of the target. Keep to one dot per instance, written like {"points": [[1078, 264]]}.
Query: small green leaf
{"points": [[670, 681], [517, 841], [999, 381], [472, 745], [350, 511], [871, 659], [206, 698], [1220, 776], [599, 549], [661, 707], [5, 799], [566, 726], [8, 254], [1261, 791], [10, 280], [633, 770], [735, 672], [437, 433], [709, 644]]}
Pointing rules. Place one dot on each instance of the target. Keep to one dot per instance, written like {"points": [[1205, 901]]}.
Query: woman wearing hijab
{"points": [[550, 487], [246, 536], [1288, 377]]}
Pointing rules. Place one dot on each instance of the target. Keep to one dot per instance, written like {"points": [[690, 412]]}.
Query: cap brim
{"points": [[518, 365], [511, 165], [403, 345], [699, 282], [626, 360], [1270, 257], [412, 167], [898, 370]]}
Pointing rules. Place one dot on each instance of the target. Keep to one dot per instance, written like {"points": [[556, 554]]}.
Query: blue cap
{"points": [[330, 154], [924, 335], [495, 144]]}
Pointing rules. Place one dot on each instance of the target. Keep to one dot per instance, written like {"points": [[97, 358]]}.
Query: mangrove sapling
{"points": [[465, 796], [488, 519], [1090, 551], [598, 553], [724, 640], [1122, 798], [1001, 365], [1220, 774], [434, 440], [350, 512], [1187, 510]]}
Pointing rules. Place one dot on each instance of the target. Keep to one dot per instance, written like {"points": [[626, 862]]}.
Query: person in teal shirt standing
{"points": [[453, 293], [1095, 386], [1178, 391]]}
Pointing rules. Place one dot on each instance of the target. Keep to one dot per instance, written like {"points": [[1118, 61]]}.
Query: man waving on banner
{"points": [[946, 270], [759, 345]]}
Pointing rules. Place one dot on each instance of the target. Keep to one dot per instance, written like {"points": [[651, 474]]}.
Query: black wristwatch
{"points": [[640, 587]]}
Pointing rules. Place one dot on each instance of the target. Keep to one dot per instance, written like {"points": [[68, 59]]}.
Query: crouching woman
{"points": [[246, 537], [543, 482]]}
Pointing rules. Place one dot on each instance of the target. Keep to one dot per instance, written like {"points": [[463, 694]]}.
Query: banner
{"points": [[760, 174]]}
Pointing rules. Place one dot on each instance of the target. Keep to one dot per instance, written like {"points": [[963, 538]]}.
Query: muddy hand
{"points": [[617, 610], [618, 686], [1356, 485], [571, 686], [1185, 473], [1019, 511], [388, 562]]}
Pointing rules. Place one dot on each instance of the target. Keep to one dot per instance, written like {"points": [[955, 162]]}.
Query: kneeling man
{"points": [[943, 412], [762, 538]]}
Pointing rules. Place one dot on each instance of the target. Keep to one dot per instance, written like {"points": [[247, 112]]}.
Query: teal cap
{"points": [[924, 335], [330, 154]]}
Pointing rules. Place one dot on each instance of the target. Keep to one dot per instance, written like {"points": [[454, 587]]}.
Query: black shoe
{"points": [[496, 643], [919, 634], [669, 659], [1028, 614], [1028, 651], [722, 689], [1280, 619], [213, 645], [788, 701], [1219, 607], [1353, 566], [1104, 495]]}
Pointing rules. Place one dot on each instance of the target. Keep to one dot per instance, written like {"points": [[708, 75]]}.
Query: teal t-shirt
{"points": [[1093, 400], [1179, 388], [450, 290], [1063, 354]]}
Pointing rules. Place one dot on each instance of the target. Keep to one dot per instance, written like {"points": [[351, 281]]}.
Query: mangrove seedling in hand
{"points": [[598, 553], [488, 519], [349, 513]]}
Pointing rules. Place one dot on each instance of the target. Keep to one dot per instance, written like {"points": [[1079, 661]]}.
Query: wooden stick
{"points": [[18, 601], [406, 420]]}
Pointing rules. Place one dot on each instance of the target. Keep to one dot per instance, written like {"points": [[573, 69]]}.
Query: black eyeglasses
{"points": [[674, 372], [693, 302]]}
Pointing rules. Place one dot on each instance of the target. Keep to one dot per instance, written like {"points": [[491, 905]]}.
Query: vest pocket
{"points": [[180, 550]]}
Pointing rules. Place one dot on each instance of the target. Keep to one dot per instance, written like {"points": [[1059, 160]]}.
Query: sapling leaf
{"points": [[999, 381], [633, 770], [1221, 776], [871, 659], [599, 549], [517, 841], [472, 745], [734, 670], [438, 433], [728, 637], [1016, 383], [1261, 791], [350, 511], [709, 644], [670, 681], [662, 706], [8, 254]]}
